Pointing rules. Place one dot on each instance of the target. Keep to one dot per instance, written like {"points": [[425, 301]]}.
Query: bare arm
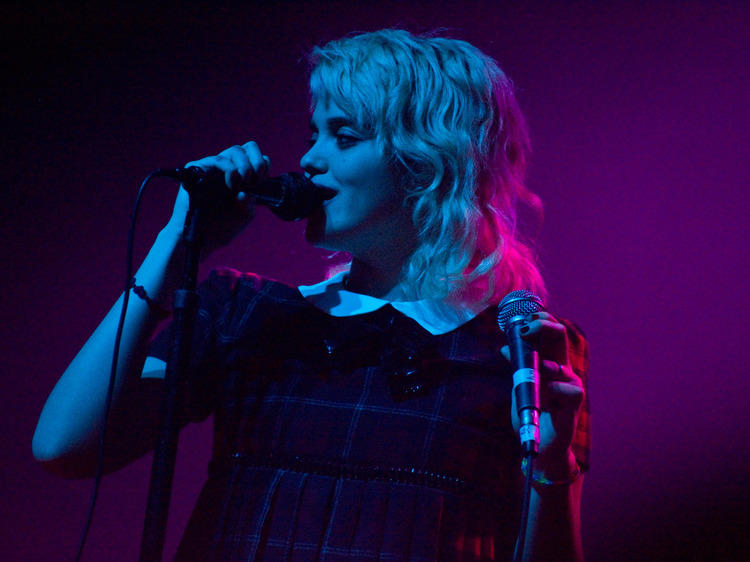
{"points": [[67, 434], [70, 424]]}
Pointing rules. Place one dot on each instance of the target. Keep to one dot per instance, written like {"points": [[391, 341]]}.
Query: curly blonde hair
{"points": [[448, 120]]}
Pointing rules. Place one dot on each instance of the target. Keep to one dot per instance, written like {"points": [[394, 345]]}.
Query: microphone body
{"points": [[290, 196], [524, 360]]}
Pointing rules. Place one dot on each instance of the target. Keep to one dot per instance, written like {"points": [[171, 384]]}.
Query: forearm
{"points": [[71, 419], [554, 528]]}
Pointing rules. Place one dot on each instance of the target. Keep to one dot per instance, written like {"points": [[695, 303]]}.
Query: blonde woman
{"points": [[369, 416]]}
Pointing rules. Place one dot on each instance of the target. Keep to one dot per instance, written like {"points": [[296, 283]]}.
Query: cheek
{"points": [[364, 168], [364, 205]]}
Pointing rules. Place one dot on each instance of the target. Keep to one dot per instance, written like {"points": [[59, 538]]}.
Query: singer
{"points": [[369, 416]]}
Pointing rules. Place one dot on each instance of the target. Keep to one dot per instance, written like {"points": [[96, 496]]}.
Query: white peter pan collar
{"points": [[437, 316]]}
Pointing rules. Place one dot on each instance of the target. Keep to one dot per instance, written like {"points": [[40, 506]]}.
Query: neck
{"points": [[379, 282], [377, 266]]}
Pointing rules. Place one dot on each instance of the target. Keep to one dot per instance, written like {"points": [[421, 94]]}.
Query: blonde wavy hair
{"points": [[447, 118]]}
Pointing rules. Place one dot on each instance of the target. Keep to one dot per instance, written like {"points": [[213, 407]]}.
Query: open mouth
{"points": [[327, 193]]}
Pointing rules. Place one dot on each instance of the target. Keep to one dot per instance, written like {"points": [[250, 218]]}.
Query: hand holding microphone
{"points": [[511, 317], [547, 394], [230, 183]]}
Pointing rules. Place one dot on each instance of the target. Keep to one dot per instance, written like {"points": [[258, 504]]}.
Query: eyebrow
{"points": [[333, 123]]}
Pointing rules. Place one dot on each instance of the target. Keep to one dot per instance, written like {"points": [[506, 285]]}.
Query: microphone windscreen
{"points": [[517, 303], [300, 196]]}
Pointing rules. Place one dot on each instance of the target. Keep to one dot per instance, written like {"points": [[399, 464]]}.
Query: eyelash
{"points": [[342, 140]]}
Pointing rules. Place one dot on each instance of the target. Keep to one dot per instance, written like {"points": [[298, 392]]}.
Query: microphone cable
{"points": [[115, 357], [298, 198], [521, 539]]}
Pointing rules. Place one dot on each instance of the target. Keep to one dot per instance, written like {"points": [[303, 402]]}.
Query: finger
{"points": [[554, 371], [263, 167], [204, 163], [568, 390], [258, 161], [560, 387], [236, 167], [549, 338], [542, 314], [221, 162], [539, 325], [560, 396]]}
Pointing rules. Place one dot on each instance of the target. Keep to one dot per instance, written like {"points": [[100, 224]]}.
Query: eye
{"points": [[346, 140]]}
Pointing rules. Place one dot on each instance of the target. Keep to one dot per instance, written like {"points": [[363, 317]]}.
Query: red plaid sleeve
{"points": [[578, 352]]}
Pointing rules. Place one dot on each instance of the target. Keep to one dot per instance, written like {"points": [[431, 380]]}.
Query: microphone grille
{"points": [[301, 197], [517, 303]]}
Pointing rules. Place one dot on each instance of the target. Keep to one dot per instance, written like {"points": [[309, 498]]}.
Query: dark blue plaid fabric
{"points": [[355, 438]]}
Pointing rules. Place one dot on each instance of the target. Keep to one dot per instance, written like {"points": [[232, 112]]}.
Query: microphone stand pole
{"points": [[184, 313]]}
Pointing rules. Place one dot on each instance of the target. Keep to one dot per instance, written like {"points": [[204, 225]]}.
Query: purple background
{"points": [[640, 119]]}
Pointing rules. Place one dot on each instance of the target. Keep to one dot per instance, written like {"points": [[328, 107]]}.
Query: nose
{"points": [[312, 161]]}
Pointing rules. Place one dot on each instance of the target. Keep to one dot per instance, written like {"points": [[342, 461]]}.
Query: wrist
{"points": [[556, 469], [159, 310], [159, 274]]}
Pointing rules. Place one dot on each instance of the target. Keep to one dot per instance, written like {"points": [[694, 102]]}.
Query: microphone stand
{"points": [[184, 313]]}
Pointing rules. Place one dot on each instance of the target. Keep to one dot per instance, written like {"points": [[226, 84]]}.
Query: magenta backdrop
{"points": [[639, 115]]}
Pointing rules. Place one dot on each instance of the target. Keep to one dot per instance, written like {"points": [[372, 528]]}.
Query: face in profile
{"points": [[368, 206]]}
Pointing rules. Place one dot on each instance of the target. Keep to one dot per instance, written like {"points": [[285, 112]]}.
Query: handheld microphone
{"points": [[290, 196], [524, 359]]}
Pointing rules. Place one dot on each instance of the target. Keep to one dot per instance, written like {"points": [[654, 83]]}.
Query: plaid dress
{"points": [[349, 438]]}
